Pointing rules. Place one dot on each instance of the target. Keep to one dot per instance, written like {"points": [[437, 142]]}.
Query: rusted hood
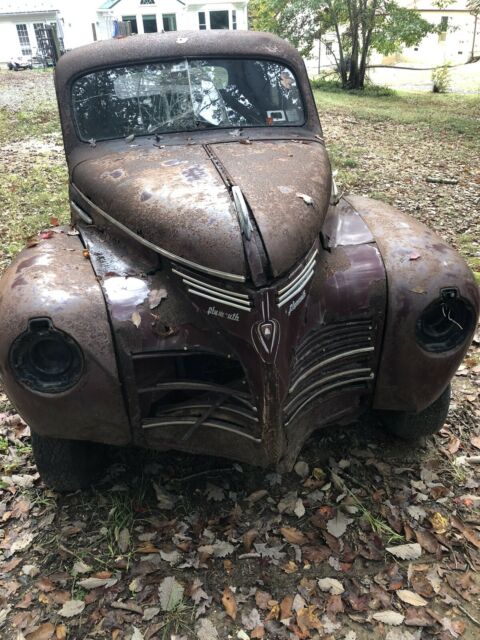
{"points": [[274, 176], [173, 197]]}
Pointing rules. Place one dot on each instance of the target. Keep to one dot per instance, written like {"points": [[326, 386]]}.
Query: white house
{"points": [[78, 23], [457, 43]]}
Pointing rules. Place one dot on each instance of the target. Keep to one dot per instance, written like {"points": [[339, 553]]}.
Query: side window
{"points": [[169, 22], [24, 39], [202, 21], [133, 22], [442, 36]]}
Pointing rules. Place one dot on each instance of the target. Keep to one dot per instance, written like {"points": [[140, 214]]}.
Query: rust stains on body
{"points": [[174, 197], [273, 176]]}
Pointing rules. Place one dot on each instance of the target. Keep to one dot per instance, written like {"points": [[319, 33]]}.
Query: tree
{"points": [[358, 25]]}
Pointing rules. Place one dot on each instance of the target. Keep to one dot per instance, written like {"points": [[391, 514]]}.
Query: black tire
{"points": [[68, 465], [411, 426]]}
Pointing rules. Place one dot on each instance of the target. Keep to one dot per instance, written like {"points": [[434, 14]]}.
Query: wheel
{"points": [[410, 426], [67, 465]]}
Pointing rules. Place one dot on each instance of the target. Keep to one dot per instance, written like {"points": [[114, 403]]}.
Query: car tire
{"points": [[411, 426], [68, 465]]}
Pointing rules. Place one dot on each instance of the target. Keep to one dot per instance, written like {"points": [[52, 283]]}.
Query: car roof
{"points": [[171, 45]]}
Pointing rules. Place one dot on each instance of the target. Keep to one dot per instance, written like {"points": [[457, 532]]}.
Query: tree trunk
{"points": [[343, 70]]}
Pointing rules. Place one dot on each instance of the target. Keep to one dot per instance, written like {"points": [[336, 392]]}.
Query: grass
{"points": [[451, 114]]}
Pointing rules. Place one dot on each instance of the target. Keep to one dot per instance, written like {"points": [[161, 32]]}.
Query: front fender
{"points": [[55, 280], [418, 266]]}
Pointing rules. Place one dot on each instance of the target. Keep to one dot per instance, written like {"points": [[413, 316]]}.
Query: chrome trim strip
{"points": [[219, 300], [208, 423], [324, 390], [242, 212], [228, 299], [207, 285], [307, 267], [322, 381], [324, 363], [166, 254], [296, 290], [226, 408], [81, 213]]}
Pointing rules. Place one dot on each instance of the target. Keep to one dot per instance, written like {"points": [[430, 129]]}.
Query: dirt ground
{"points": [[367, 538]]}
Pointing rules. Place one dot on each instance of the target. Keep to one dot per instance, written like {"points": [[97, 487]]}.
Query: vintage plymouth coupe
{"points": [[215, 294]]}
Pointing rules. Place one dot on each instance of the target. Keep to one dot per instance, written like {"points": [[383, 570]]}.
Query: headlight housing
{"points": [[46, 359], [445, 323]]}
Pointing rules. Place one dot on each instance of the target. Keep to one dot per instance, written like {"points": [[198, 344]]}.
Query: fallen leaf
{"points": [[136, 319], [229, 602], [137, 634], [439, 522], [61, 632], [43, 632], [333, 586], [155, 297], [389, 617], [72, 608], [123, 540], [427, 541], [468, 533], [411, 598], [205, 630], [170, 593], [294, 536], [299, 509], [95, 583], [302, 469], [338, 524], [410, 551]]}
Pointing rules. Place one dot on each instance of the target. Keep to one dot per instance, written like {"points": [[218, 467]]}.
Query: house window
{"points": [[219, 20], [133, 22], [442, 36], [202, 21], [328, 48], [169, 22], [234, 19], [147, 1], [24, 39], [38, 28], [150, 24]]}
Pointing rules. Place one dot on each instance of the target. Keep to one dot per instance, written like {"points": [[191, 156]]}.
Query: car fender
{"points": [[419, 265], [54, 279]]}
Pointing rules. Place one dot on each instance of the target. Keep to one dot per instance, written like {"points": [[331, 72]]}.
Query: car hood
{"points": [[177, 198]]}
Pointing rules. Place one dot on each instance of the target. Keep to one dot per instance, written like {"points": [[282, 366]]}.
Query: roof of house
{"points": [[28, 6], [108, 4]]}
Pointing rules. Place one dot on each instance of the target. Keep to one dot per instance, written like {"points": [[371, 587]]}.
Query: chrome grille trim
{"points": [[216, 294], [212, 424], [330, 378], [290, 290], [293, 292], [325, 390], [327, 361]]}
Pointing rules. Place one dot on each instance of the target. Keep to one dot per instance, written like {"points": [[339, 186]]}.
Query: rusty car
{"points": [[215, 294]]}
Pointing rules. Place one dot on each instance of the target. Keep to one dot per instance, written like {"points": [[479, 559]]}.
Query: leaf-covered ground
{"points": [[366, 538]]}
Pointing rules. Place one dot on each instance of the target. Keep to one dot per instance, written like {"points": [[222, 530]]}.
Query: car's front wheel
{"points": [[67, 465], [410, 426]]}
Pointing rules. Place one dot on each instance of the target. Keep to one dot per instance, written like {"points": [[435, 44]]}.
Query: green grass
{"points": [[451, 114]]}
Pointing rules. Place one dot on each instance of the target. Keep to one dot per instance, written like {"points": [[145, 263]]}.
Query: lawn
{"points": [[171, 546]]}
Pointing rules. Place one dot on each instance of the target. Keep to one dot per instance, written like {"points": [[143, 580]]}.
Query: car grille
{"points": [[298, 282], [193, 391], [331, 357], [197, 286]]}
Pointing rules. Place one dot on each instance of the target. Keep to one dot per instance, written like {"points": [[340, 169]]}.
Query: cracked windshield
{"points": [[185, 96]]}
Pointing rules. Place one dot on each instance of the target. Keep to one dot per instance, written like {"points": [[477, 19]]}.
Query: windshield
{"points": [[185, 95]]}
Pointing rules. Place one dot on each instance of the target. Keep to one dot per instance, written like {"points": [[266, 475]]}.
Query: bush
{"points": [[335, 86], [441, 79]]}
